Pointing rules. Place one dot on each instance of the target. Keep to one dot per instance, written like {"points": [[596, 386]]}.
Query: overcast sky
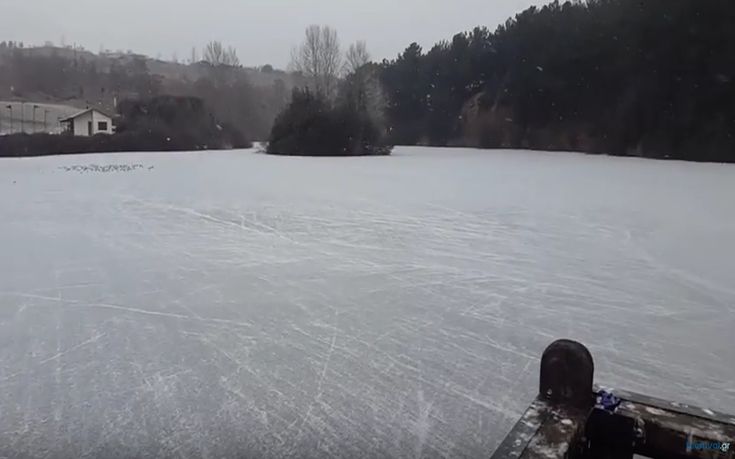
{"points": [[263, 31]]}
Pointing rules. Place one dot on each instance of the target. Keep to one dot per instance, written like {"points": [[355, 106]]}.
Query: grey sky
{"points": [[263, 31]]}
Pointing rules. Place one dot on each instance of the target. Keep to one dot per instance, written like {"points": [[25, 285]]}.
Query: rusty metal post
{"points": [[567, 372]]}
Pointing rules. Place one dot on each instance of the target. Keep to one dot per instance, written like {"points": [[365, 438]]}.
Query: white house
{"points": [[88, 123]]}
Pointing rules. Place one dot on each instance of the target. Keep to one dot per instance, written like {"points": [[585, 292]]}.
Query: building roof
{"points": [[84, 112]]}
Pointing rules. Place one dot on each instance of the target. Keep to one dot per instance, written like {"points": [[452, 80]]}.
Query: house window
{"points": [[102, 126]]}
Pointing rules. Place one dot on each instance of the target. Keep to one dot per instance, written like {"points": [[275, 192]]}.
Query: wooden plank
{"points": [[666, 433], [559, 435], [545, 430], [526, 428], [667, 405]]}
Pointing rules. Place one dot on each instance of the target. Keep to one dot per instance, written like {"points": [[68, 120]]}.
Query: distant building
{"points": [[88, 123]]}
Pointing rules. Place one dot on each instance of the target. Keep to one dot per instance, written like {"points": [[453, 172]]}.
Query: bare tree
{"points": [[362, 86], [231, 57], [216, 54], [356, 57], [319, 59]]}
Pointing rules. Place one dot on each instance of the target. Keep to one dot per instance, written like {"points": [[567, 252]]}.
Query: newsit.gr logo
{"points": [[695, 445]]}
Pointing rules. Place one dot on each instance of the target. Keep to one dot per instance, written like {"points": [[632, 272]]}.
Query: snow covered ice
{"points": [[222, 303]]}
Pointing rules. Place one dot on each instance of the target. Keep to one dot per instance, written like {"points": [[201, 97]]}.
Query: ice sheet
{"points": [[222, 303]]}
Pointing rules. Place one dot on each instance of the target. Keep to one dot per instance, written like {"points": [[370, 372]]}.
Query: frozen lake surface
{"points": [[231, 303]]}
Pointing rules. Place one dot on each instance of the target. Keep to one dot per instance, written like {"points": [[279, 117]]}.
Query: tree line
{"points": [[625, 77], [84, 79]]}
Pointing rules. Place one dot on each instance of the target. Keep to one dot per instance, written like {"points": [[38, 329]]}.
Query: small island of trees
{"points": [[332, 116]]}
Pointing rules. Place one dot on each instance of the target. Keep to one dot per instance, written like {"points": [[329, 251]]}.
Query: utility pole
{"points": [[22, 118]]}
